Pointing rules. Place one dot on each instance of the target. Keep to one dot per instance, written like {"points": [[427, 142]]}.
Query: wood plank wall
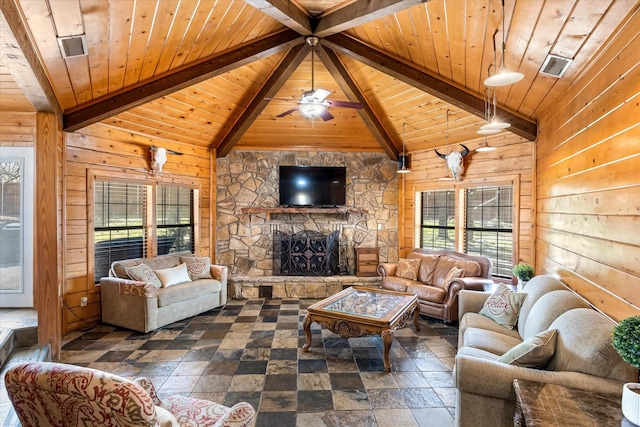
{"points": [[17, 129], [513, 159], [99, 149], [588, 179]]}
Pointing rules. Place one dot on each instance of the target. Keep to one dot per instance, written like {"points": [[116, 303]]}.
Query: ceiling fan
{"points": [[313, 103]]}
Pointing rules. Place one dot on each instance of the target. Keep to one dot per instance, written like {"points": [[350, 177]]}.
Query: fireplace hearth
{"points": [[306, 253]]}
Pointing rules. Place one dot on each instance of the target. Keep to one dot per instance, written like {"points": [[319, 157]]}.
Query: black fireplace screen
{"points": [[307, 253]]}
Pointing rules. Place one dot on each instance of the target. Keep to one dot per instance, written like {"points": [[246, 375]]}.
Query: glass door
{"points": [[16, 226]]}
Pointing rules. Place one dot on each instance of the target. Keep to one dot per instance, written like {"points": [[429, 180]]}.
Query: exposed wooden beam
{"points": [[269, 89], [429, 83], [22, 61], [179, 78], [286, 12], [358, 13], [331, 61]]}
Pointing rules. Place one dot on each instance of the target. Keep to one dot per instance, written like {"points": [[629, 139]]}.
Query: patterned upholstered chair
{"points": [[60, 395]]}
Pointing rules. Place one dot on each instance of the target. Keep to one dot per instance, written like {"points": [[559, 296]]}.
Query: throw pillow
{"points": [[408, 268], [174, 275], [534, 352], [166, 418], [503, 306], [199, 268], [454, 273], [143, 273]]}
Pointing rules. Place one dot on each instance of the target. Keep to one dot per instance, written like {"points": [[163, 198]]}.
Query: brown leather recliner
{"points": [[437, 293]]}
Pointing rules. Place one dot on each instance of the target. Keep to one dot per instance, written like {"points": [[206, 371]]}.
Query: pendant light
{"points": [[503, 77], [492, 120], [485, 146], [403, 159], [490, 127]]}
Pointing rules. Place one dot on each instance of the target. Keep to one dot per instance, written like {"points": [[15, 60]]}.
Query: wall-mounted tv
{"points": [[321, 186]]}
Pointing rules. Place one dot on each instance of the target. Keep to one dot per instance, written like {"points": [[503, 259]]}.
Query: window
{"points": [[486, 228], [489, 226], [125, 226], [119, 217], [174, 212], [437, 220]]}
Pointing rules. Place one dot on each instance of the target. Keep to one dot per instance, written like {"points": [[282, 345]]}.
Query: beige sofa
{"points": [[438, 298], [143, 307], [583, 357]]}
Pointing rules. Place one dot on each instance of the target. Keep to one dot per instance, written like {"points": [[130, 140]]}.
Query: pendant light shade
{"points": [[495, 124], [403, 159], [502, 77], [485, 146], [488, 131]]}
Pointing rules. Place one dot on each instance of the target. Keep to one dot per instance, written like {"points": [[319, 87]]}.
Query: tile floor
{"points": [[251, 351]]}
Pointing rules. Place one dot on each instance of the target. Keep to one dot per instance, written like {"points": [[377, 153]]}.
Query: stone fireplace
{"points": [[306, 253], [248, 216]]}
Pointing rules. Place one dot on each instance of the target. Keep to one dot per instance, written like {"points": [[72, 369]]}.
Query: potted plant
{"points": [[524, 273], [626, 341]]}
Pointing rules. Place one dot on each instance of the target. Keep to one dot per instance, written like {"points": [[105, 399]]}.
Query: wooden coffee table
{"points": [[359, 311]]}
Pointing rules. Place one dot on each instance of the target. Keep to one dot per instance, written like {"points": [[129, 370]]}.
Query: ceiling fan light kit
{"points": [[312, 110]]}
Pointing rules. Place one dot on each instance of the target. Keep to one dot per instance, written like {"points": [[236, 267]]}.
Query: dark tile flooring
{"points": [[252, 351]]}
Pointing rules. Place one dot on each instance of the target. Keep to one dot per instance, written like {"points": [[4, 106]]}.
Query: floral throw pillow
{"points": [[408, 268], [503, 306], [143, 273], [199, 268]]}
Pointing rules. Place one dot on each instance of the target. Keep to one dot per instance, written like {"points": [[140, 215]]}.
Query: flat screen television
{"points": [[321, 186]]}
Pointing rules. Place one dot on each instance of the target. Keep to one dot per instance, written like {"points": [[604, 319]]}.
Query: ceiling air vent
{"points": [[555, 65], [73, 46]]}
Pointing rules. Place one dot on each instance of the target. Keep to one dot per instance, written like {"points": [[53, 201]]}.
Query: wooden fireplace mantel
{"points": [[285, 210]]}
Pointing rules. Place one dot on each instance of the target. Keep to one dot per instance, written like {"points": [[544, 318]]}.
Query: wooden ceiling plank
{"points": [[177, 79], [476, 23], [162, 19], [143, 15], [172, 45], [424, 38], [286, 12], [120, 13], [457, 16], [437, 17], [23, 62], [350, 88], [280, 75], [95, 14], [426, 82], [200, 16], [358, 13]]}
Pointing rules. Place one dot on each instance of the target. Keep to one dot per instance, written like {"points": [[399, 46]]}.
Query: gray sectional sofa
{"points": [[142, 306], [583, 356]]}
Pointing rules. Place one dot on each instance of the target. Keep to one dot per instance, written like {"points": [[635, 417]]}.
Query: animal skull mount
{"points": [[455, 162], [159, 158]]}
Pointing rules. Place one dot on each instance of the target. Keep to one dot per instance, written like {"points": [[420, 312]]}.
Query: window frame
{"points": [[460, 208], [150, 220]]}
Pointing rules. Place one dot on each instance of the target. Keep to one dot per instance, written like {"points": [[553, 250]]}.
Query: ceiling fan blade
{"points": [[286, 113], [346, 104], [280, 99], [326, 115], [321, 94]]}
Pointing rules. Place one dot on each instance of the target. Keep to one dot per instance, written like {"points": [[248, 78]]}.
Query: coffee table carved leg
{"points": [[387, 339], [307, 331], [416, 317]]}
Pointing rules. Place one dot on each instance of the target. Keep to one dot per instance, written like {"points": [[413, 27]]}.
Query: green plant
{"points": [[626, 340], [523, 272]]}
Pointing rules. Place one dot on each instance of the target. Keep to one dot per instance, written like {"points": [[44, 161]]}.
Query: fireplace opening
{"points": [[306, 253]]}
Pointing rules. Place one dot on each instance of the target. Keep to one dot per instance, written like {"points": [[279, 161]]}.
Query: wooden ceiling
{"points": [[197, 71]]}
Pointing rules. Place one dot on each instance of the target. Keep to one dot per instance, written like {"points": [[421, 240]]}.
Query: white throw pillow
{"points": [[503, 306], [174, 275], [534, 352]]}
